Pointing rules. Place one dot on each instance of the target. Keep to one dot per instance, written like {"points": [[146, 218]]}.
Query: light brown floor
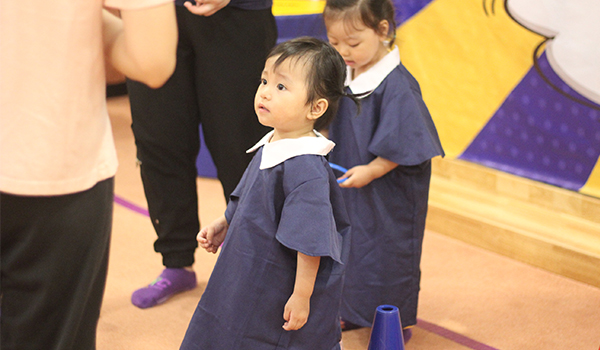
{"points": [[470, 294]]}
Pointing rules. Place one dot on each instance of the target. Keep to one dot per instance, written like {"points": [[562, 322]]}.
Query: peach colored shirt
{"points": [[55, 134]]}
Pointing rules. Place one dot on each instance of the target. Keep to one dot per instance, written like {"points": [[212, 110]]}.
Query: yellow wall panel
{"points": [[467, 62], [297, 7], [592, 186]]}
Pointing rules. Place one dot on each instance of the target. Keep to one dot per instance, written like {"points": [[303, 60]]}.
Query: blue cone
{"points": [[386, 333]]}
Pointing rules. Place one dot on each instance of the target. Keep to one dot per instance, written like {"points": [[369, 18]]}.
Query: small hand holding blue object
{"points": [[362, 175]]}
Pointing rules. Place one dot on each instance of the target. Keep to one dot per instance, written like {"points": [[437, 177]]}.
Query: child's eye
{"points": [[263, 81], [280, 87], [354, 45]]}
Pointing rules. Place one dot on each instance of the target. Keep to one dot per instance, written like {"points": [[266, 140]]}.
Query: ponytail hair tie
{"points": [[356, 99]]}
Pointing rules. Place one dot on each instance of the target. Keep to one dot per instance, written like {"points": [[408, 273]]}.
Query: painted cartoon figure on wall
{"points": [[548, 128], [572, 34]]}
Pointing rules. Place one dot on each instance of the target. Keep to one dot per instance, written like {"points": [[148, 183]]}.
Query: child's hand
{"points": [[296, 312], [362, 175], [212, 236], [357, 177]]}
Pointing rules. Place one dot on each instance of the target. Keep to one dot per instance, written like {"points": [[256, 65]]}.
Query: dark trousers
{"points": [[219, 62], [54, 263]]}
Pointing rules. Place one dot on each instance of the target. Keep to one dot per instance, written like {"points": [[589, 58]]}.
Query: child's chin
{"points": [[263, 121]]}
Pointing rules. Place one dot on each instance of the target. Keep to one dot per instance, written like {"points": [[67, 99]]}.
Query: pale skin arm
{"points": [[205, 7], [142, 43], [212, 236], [297, 308], [362, 175]]}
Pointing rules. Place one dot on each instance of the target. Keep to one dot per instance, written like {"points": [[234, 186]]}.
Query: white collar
{"points": [[370, 80], [279, 151]]}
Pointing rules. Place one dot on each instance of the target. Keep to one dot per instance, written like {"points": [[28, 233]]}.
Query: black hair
{"points": [[326, 73], [369, 12]]}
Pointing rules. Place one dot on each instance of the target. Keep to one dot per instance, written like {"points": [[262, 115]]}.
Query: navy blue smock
{"points": [[295, 205], [387, 215]]}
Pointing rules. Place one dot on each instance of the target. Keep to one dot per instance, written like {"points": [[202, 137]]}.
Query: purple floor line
{"points": [[430, 327], [455, 337], [129, 205]]}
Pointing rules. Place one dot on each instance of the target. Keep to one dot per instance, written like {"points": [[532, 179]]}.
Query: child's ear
{"points": [[384, 28], [318, 108]]}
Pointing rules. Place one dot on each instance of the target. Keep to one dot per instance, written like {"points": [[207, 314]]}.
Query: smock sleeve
{"points": [[405, 133], [241, 188], [307, 222], [231, 207]]}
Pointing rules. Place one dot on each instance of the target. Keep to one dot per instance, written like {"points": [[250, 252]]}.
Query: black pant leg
{"points": [[54, 259], [219, 61], [165, 126], [231, 48]]}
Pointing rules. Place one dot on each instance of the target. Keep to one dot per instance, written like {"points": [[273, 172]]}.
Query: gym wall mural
{"points": [[513, 85]]}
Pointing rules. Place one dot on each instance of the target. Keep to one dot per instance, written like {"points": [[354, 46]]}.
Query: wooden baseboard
{"points": [[552, 228]]}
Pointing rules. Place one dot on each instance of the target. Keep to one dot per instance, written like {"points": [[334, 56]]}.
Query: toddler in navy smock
{"points": [[278, 280], [388, 149]]}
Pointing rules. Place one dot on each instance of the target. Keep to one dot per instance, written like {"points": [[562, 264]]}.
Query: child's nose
{"points": [[264, 92], [343, 50]]}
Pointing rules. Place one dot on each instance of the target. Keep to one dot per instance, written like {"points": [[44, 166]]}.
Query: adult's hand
{"points": [[205, 7]]}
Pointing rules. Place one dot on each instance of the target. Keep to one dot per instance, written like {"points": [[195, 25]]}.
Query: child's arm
{"points": [[298, 306], [212, 236], [362, 175]]}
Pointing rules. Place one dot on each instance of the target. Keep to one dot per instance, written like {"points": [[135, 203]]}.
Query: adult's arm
{"points": [[142, 43]]}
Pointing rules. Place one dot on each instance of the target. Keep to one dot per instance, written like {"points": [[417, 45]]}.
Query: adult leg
{"points": [[230, 61], [54, 259], [165, 126]]}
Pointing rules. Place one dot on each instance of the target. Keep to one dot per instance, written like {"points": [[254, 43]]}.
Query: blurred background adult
{"points": [[58, 160], [222, 48]]}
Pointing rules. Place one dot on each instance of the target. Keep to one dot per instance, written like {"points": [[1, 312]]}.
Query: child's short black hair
{"points": [[369, 12], [326, 72]]}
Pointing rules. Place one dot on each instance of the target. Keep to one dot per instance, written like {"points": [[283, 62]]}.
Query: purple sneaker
{"points": [[170, 282]]}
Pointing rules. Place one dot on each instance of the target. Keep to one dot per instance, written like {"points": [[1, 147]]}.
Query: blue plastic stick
{"points": [[339, 168]]}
